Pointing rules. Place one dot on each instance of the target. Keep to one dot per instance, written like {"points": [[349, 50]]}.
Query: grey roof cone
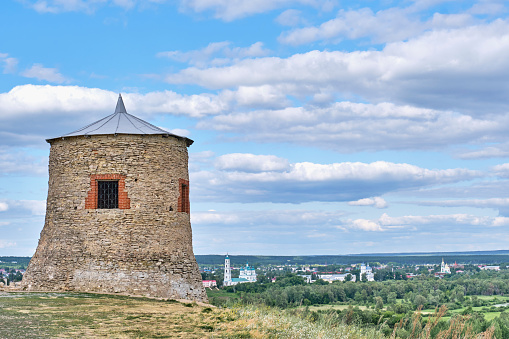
{"points": [[120, 122]]}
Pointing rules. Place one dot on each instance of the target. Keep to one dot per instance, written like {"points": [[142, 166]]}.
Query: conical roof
{"points": [[120, 122]]}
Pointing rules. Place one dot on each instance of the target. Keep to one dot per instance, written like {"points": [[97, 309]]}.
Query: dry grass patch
{"points": [[65, 315]]}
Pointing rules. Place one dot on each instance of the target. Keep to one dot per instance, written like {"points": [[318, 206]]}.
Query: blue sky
{"points": [[320, 126]]}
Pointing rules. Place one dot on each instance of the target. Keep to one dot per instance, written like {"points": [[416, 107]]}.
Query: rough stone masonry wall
{"points": [[145, 249]]}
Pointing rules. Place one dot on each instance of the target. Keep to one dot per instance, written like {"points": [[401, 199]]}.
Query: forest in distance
{"points": [[468, 258]]}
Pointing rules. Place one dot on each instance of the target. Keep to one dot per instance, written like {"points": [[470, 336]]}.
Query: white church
{"points": [[366, 269], [247, 274], [444, 268]]}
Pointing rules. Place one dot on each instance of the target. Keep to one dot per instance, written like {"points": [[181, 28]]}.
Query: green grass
{"points": [[221, 294], [222, 298], [488, 315], [491, 315], [497, 298]]}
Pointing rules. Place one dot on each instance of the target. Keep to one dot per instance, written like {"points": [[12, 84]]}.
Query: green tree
{"points": [[391, 298], [419, 300]]}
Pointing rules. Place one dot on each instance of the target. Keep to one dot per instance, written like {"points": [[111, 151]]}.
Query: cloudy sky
{"points": [[320, 126]]}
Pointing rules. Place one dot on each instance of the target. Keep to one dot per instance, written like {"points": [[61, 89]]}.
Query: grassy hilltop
{"points": [[75, 315]]}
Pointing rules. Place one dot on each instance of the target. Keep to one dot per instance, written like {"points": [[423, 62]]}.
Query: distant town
{"points": [[231, 274], [233, 270]]}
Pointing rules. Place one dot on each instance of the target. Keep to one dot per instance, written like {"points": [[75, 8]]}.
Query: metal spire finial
{"points": [[120, 105]]}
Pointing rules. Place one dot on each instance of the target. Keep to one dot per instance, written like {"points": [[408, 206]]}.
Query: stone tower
{"points": [[117, 215]]}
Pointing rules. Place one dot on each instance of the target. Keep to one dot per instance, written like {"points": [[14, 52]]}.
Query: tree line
{"points": [[292, 290]]}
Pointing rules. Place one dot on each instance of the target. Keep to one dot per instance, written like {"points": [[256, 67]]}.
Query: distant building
{"points": [[444, 268], [336, 277], [227, 272], [209, 283], [247, 274], [456, 266], [307, 277], [491, 268], [365, 269]]}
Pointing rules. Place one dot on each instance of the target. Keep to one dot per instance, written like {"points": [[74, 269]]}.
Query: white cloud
{"points": [[500, 221], [265, 96], [267, 231], [290, 17], [177, 131], [501, 204], [462, 68], [365, 225], [56, 110], [48, 98], [386, 222], [214, 218], [169, 102], [388, 25], [3, 207], [35, 207], [298, 217], [350, 127], [204, 156], [197, 160], [479, 189], [302, 182], [10, 63], [493, 202], [7, 243], [455, 219], [229, 10], [491, 7], [14, 162], [180, 132], [226, 10], [216, 53], [377, 202], [87, 6], [251, 163], [42, 73], [502, 170], [499, 151]]}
